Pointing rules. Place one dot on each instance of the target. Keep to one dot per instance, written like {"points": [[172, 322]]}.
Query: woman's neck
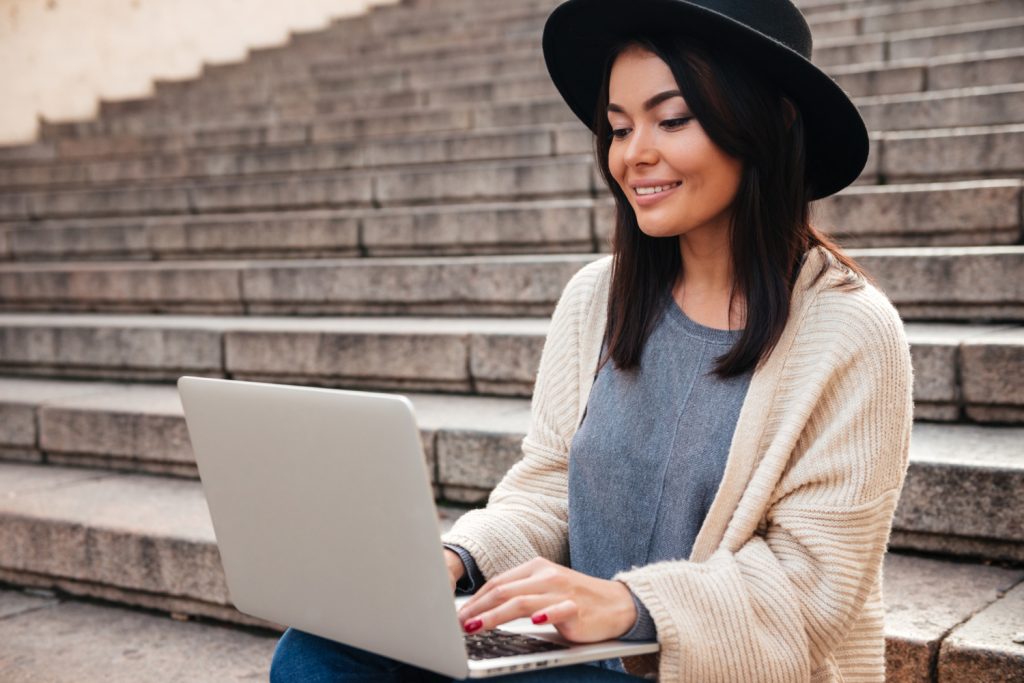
{"points": [[705, 284]]}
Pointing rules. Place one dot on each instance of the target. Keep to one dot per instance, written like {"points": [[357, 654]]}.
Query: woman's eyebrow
{"points": [[651, 103]]}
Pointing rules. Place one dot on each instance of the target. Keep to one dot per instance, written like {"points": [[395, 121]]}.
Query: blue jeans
{"points": [[304, 658]]}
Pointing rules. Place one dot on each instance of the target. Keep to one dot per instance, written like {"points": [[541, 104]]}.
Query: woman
{"points": [[721, 418]]}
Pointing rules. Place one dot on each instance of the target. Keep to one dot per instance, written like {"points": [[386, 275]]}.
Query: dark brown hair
{"points": [[744, 114]]}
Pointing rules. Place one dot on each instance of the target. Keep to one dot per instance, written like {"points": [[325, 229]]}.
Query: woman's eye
{"points": [[678, 122], [619, 133]]}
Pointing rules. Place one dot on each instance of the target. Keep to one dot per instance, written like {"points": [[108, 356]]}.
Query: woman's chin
{"points": [[656, 231]]}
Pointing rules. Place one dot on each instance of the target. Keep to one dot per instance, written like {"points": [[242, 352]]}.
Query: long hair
{"points": [[745, 115]]}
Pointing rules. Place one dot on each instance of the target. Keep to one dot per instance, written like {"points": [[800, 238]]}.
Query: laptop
{"points": [[324, 515]]}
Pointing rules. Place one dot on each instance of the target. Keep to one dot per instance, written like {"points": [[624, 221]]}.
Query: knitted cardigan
{"points": [[784, 582]]}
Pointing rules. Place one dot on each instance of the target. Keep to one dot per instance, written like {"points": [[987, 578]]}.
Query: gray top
{"points": [[647, 459]]}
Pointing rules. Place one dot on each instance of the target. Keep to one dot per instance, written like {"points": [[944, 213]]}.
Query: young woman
{"points": [[721, 418]]}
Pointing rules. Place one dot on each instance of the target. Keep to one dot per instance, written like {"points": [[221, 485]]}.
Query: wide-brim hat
{"points": [[772, 34]]}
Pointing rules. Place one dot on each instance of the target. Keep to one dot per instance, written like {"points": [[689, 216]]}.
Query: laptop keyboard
{"points": [[498, 643]]}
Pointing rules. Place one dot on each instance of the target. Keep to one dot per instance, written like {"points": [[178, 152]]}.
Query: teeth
{"points": [[655, 190]]}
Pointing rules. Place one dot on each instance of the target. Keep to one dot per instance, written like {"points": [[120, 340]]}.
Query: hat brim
{"points": [[579, 34]]}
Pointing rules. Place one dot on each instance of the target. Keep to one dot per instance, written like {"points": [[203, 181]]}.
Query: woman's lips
{"points": [[648, 199]]}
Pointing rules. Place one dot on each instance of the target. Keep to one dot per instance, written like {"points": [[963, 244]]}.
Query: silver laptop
{"points": [[324, 516]]}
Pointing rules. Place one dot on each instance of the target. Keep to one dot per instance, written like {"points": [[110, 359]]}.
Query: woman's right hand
{"points": [[455, 567]]}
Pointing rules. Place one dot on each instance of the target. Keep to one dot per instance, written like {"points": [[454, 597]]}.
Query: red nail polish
{"points": [[540, 618], [473, 625]]}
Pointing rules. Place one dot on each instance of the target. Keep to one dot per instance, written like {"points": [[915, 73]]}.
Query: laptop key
{"points": [[498, 643]]}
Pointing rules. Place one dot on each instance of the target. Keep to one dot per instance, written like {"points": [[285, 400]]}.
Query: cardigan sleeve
{"points": [[527, 512], [774, 606]]}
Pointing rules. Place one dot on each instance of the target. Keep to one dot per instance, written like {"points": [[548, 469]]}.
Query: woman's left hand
{"points": [[583, 608]]}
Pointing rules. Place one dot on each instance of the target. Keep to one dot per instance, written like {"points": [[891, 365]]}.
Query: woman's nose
{"points": [[640, 147]]}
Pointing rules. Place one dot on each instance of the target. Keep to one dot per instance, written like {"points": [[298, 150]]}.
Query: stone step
{"points": [[51, 637], [953, 152], [68, 529], [931, 214], [902, 16], [561, 177], [133, 539], [293, 102], [407, 21], [917, 42], [958, 498], [962, 371], [951, 621], [564, 169], [998, 67], [542, 226], [982, 106], [925, 283], [99, 137], [987, 35]]}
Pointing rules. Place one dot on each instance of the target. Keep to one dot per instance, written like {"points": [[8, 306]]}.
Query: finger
{"points": [[515, 574], [556, 614], [515, 608], [531, 585]]}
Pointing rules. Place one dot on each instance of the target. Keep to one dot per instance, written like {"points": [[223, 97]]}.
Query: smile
{"points": [[648, 196], [654, 190]]}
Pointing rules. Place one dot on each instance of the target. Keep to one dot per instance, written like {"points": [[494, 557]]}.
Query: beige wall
{"points": [[59, 57]]}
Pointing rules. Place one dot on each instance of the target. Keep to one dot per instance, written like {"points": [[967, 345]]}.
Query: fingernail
{"points": [[540, 618], [473, 625]]}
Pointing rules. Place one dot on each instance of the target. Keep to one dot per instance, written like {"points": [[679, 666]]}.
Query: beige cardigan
{"points": [[784, 580]]}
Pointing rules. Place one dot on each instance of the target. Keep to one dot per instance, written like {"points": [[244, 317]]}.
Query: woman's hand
{"points": [[455, 567], [584, 609]]}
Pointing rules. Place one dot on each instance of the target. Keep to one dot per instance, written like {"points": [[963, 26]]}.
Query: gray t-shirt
{"points": [[646, 462], [647, 459]]}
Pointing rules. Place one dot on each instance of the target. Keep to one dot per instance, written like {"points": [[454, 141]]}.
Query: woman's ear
{"points": [[790, 111]]}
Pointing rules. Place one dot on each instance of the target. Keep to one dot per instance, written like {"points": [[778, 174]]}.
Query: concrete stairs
{"points": [[395, 203]]}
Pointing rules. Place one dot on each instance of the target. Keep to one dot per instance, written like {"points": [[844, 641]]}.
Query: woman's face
{"points": [[655, 145]]}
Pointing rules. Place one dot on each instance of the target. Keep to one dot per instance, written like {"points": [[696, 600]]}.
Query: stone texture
{"points": [[984, 649], [895, 18], [277, 233], [539, 226], [521, 285], [80, 239], [935, 351], [14, 603], [950, 283], [108, 202], [81, 642], [991, 374], [964, 481], [441, 147], [435, 353], [924, 599], [393, 122], [967, 38], [992, 67], [123, 286], [132, 422], [475, 181], [341, 189], [130, 531], [860, 80], [109, 343], [977, 106], [20, 399], [507, 364], [961, 213], [964, 152]]}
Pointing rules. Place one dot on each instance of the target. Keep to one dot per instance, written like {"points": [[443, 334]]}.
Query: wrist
{"points": [[624, 608], [454, 562]]}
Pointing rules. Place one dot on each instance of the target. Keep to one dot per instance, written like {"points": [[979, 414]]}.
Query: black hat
{"points": [[772, 34]]}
